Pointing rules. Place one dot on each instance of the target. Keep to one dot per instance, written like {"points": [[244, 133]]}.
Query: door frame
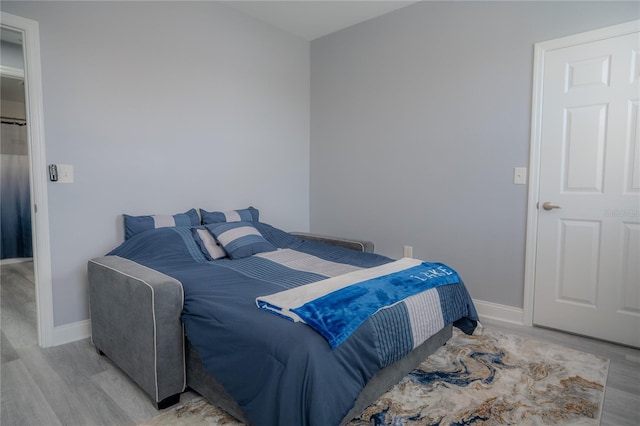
{"points": [[37, 173], [540, 50]]}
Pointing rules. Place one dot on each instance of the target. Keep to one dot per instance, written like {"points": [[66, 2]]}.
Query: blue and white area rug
{"points": [[494, 378]]}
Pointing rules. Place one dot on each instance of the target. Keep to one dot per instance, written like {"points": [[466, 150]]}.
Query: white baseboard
{"points": [[496, 312], [486, 310], [71, 332]]}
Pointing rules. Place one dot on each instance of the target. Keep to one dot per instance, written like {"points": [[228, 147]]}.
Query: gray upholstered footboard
{"points": [[135, 322]]}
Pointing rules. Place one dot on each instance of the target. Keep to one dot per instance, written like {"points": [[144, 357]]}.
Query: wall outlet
{"points": [[408, 251]]}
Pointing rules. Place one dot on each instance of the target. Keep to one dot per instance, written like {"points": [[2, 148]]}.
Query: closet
{"points": [[15, 198], [19, 312]]}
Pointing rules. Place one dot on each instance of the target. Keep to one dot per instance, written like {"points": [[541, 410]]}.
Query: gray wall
{"points": [[417, 121], [161, 107], [418, 118]]}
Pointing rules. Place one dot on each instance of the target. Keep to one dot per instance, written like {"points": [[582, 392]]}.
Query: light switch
{"points": [[520, 176], [65, 173]]}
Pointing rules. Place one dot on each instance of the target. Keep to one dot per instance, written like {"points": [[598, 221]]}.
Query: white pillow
{"points": [[211, 245]]}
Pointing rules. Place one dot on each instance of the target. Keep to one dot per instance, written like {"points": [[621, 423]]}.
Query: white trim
{"points": [[540, 49], [71, 332], [184, 350], [496, 312], [11, 72], [38, 179], [591, 36]]}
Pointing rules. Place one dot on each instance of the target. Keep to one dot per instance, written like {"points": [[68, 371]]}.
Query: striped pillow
{"points": [[240, 239], [136, 224], [249, 214]]}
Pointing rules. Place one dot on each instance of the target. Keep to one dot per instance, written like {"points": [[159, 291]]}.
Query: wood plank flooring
{"points": [[18, 304], [73, 385]]}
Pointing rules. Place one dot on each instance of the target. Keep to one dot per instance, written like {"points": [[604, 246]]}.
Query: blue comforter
{"points": [[280, 372]]}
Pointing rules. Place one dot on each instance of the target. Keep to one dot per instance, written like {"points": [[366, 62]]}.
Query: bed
{"points": [[172, 317]]}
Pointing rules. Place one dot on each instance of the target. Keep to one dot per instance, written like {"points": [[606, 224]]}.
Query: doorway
{"points": [[27, 31], [17, 285], [583, 237]]}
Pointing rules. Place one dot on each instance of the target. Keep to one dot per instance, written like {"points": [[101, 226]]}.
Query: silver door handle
{"points": [[548, 206]]}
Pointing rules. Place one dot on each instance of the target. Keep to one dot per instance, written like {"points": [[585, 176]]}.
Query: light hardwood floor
{"points": [[73, 385]]}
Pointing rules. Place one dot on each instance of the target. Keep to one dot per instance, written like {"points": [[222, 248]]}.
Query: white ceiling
{"points": [[311, 19]]}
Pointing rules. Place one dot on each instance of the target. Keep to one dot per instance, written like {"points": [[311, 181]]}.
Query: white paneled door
{"points": [[587, 267]]}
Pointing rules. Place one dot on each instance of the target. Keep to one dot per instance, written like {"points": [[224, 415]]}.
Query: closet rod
{"points": [[2, 117], [13, 120], [14, 123]]}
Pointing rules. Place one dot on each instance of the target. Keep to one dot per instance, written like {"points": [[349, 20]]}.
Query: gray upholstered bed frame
{"points": [[135, 322]]}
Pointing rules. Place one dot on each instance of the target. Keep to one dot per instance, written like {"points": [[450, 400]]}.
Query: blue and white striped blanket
{"points": [[337, 306]]}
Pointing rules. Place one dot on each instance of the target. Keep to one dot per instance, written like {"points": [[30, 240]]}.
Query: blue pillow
{"points": [[240, 239], [245, 215], [136, 224]]}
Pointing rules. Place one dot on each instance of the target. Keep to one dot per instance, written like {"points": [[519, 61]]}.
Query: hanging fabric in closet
{"points": [[15, 199]]}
